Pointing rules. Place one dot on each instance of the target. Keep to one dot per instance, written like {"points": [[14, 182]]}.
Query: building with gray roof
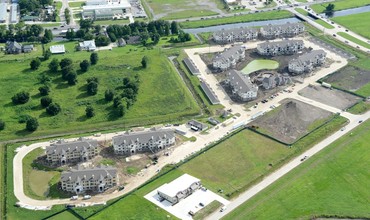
{"points": [[191, 66], [197, 126], [241, 34], [13, 47], [307, 62], [3, 12], [241, 86], [106, 9], [229, 58], [96, 179], [283, 30], [62, 152], [14, 13], [277, 48], [140, 142], [209, 93]]}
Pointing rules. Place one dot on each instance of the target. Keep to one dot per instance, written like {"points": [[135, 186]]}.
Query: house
{"points": [[179, 188], [133, 40], [106, 9], [121, 42], [235, 35], [57, 49], [191, 66], [62, 152], [13, 47], [96, 179], [88, 45], [277, 48], [229, 58], [306, 62], [197, 126], [241, 86], [269, 81], [283, 30], [139, 142], [27, 48]]}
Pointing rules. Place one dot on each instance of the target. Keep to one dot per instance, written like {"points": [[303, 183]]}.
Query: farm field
{"points": [[355, 23], [237, 19], [353, 39], [340, 5], [153, 105], [332, 183]]}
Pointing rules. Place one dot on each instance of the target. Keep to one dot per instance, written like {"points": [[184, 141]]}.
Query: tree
{"points": [[65, 62], [94, 58], [174, 28], [53, 109], [90, 112], [47, 54], [32, 124], [53, 65], [48, 36], [117, 101], [2, 125], [84, 65], [71, 78], [109, 95], [44, 90], [92, 88], [102, 40], [35, 63], [66, 71], [86, 23], [121, 110], [155, 38], [80, 33], [70, 35], [144, 37], [144, 61], [330, 7], [46, 101], [92, 79], [67, 15], [21, 98]]}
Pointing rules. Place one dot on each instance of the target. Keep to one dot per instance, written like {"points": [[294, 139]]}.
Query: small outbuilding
{"points": [[121, 42], [57, 49], [197, 126], [88, 45]]}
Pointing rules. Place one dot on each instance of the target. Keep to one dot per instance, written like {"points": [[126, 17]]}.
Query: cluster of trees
{"points": [[25, 33], [67, 15], [88, 31], [182, 37], [33, 6], [329, 10]]}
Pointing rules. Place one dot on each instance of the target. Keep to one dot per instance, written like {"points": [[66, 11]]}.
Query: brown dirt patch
{"points": [[350, 78]]}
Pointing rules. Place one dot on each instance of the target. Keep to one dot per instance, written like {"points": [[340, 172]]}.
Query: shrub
{"points": [[35, 63], [94, 58], [44, 90], [84, 65], [32, 124], [109, 95], [46, 101], [90, 112], [92, 88], [2, 125], [53, 109], [21, 98]]}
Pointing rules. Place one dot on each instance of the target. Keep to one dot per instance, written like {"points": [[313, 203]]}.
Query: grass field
{"points": [[188, 14], [324, 24], [2, 181], [171, 102], [356, 23], [302, 11], [340, 5], [207, 210], [58, 6], [66, 215], [76, 4], [237, 19], [354, 40], [332, 183], [360, 108], [111, 22]]}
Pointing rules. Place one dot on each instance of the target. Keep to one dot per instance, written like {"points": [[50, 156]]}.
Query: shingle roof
{"points": [[235, 31], [79, 145], [143, 137], [228, 53], [282, 27], [180, 184], [92, 174], [307, 57], [241, 81], [283, 43], [210, 94], [193, 69]]}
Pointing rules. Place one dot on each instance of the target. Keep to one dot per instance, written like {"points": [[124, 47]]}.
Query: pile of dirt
{"points": [[290, 121]]}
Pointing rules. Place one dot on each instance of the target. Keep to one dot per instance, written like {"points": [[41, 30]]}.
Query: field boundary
{"points": [[339, 88], [3, 182]]}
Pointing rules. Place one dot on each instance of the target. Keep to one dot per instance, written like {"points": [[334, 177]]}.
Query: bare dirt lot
{"points": [[332, 97], [349, 78], [291, 120]]}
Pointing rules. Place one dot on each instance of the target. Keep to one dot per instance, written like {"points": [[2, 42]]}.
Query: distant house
{"points": [[57, 49], [283, 30], [306, 62], [197, 126], [229, 58], [121, 42], [27, 48], [241, 86], [133, 40], [96, 179], [13, 47], [277, 48], [235, 35], [88, 45]]}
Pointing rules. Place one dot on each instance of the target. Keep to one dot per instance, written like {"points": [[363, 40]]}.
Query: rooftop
{"points": [[193, 69], [143, 137], [57, 49], [78, 145], [177, 185], [92, 174], [210, 94], [228, 53], [241, 82]]}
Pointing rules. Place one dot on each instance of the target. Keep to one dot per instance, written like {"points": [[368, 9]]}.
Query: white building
{"points": [[88, 45], [106, 9], [57, 49], [283, 30], [235, 35], [147, 141], [229, 58], [277, 48], [306, 62], [179, 188], [241, 86]]}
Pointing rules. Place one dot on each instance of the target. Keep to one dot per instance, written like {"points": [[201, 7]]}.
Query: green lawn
{"points": [[66, 215], [340, 5], [234, 164], [170, 103], [2, 181], [302, 11], [207, 210], [324, 24], [335, 182], [188, 14], [111, 22], [58, 7], [356, 23], [360, 108], [76, 4], [237, 19], [354, 40]]}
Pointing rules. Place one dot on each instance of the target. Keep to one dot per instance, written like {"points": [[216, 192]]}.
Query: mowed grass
{"points": [[112, 22], [237, 19], [354, 39], [357, 23], [324, 24], [162, 94], [76, 4], [66, 215], [39, 181], [188, 14], [235, 163], [340, 5], [335, 182]]}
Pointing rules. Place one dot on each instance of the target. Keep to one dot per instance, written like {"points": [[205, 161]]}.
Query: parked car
{"points": [[304, 158], [74, 197], [223, 208], [360, 121], [86, 197], [201, 204], [70, 206]]}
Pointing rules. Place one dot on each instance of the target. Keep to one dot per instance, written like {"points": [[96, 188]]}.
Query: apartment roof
{"points": [[142, 137], [283, 43], [210, 94], [80, 145], [228, 53], [14, 13], [193, 69], [241, 82], [183, 182], [282, 27], [92, 174], [236, 31], [307, 57]]}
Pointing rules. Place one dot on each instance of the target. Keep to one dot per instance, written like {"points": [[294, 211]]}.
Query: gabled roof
{"points": [[143, 137], [80, 145], [183, 182], [308, 57], [57, 49], [228, 53], [241, 82], [88, 44], [283, 43], [13, 45], [235, 31], [90, 174], [282, 27]]}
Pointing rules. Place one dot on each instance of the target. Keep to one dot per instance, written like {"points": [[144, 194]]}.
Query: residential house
{"points": [[96, 179], [306, 62], [121, 42], [139, 142], [229, 58], [179, 188], [277, 48], [88, 45], [197, 126], [13, 47], [235, 35], [62, 152], [27, 48], [241, 86], [283, 30]]}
